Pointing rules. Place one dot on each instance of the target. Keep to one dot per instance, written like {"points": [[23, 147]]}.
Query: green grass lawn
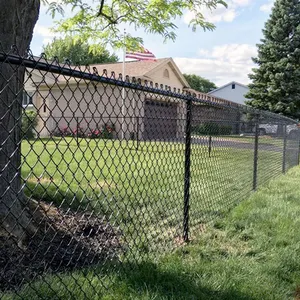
{"points": [[277, 141], [251, 253], [141, 190]]}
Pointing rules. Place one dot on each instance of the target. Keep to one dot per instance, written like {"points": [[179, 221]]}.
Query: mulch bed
{"points": [[64, 241]]}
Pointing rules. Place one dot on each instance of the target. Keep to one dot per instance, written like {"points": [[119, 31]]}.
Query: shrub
{"points": [[211, 128], [67, 131], [105, 133], [63, 132], [225, 129], [95, 134], [29, 122], [78, 132]]}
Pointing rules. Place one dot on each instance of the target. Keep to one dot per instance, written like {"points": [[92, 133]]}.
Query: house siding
{"points": [[236, 95], [91, 105], [158, 77]]}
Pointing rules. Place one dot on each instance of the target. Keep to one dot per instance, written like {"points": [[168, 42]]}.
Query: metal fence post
{"points": [[77, 133], [298, 158], [255, 160], [187, 170], [137, 133], [209, 145], [284, 149], [298, 144]]}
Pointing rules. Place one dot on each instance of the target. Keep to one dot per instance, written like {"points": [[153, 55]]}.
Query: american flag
{"points": [[143, 54]]}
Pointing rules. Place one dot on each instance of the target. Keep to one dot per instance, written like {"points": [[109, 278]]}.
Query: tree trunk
{"points": [[17, 20]]}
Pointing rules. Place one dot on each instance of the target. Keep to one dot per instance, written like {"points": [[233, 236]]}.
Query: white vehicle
{"points": [[292, 131]]}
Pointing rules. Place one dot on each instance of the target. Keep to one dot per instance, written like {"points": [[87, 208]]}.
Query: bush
{"points": [[210, 128], [62, 132], [95, 134], [67, 131], [105, 133], [78, 132], [29, 122]]}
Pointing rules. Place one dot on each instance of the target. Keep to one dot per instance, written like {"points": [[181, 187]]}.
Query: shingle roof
{"points": [[138, 69], [132, 68], [211, 98]]}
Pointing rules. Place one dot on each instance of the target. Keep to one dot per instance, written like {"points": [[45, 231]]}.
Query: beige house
{"points": [[65, 103]]}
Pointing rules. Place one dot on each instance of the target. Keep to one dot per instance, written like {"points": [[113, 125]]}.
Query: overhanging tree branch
{"points": [[101, 8]]}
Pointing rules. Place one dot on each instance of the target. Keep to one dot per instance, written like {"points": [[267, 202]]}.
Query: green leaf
{"points": [[99, 21]]}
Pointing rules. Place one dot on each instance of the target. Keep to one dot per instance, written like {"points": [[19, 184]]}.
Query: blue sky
{"points": [[222, 55]]}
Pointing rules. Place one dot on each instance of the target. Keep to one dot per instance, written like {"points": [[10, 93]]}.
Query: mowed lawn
{"points": [[140, 189], [252, 253]]}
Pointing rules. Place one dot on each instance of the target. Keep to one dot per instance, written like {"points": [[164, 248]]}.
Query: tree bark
{"points": [[17, 20]]}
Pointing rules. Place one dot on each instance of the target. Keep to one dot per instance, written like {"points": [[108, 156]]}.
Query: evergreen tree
{"points": [[276, 82]]}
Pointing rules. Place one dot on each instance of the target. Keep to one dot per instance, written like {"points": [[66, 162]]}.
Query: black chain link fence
{"points": [[97, 171]]}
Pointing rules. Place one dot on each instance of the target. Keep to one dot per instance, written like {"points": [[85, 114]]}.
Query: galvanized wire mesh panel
{"points": [[98, 172]]}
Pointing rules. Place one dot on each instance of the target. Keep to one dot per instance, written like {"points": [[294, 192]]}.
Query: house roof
{"points": [[211, 98], [139, 69], [132, 68], [230, 83]]}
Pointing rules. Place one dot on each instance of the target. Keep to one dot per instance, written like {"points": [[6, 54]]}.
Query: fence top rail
{"points": [[42, 64]]}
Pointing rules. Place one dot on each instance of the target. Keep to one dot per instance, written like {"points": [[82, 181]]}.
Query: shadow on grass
{"points": [[124, 281], [158, 283]]}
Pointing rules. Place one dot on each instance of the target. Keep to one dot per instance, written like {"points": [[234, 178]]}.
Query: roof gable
{"points": [[147, 70], [170, 63], [230, 83]]}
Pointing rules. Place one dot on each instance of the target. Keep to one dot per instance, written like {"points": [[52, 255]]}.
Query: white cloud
{"points": [[222, 64], [267, 7], [44, 31], [203, 52], [221, 13], [234, 53], [241, 2], [47, 41]]}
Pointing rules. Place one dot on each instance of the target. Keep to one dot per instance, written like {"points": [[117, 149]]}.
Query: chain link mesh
{"points": [[99, 170]]}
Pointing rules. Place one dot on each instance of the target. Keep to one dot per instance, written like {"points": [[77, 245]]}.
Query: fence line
{"points": [[84, 187]]}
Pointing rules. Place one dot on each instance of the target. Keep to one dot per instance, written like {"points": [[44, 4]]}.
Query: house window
{"points": [[166, 73], [233, 86], [27, 98]]}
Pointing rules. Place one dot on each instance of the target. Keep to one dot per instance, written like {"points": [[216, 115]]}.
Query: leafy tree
{"points": [[99, 21], [96, 21], [275, 82], [199, 83], [78, 52]]}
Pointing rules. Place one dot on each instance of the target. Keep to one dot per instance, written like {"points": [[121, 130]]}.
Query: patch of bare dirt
{"points": [[297, 293], [64, 241]]}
